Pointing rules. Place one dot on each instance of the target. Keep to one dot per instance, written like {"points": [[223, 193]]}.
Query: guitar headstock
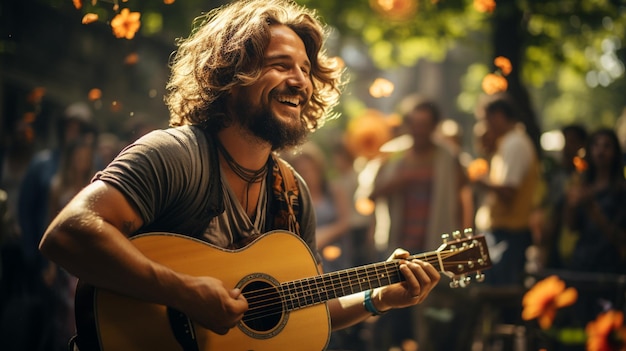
{"points": [[462, 255]]}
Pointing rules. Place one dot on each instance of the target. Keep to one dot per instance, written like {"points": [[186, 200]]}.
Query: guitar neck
{"points": [[314, 290]]}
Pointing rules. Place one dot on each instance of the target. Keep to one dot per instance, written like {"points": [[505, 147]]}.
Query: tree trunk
{"points": [[509, 31]]}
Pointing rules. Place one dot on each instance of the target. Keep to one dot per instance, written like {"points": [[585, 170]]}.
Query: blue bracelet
{"points": [[369, 305]]}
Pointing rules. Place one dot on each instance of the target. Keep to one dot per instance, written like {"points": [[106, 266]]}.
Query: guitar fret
{"points": [[319, 289], [358, 281], [341, 278], [330, 290], [289, 301], [302, 298]]}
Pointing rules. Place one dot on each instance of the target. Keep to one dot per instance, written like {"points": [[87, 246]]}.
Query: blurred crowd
{"points": [[36, 296], [540, 213]]}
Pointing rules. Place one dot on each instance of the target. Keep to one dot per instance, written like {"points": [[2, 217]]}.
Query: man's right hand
{"points": [[212, 305]]}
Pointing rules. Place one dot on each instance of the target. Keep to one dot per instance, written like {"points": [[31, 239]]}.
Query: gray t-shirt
{"points": [[167, 176]]}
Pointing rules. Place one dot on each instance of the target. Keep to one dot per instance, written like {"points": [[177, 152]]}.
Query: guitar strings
{"points": [[261, 306], [336, 278], [277, 306]]}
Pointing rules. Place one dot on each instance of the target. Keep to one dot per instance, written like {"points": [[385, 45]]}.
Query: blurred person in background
{"points": [[553, 237], [510, 193], [595, 209], [331, 203], [33, 203], [108, 146], [590, 248], [47, 308], [423, 187], [510, 197], [76, 168], [346, 177], [332, 213]]}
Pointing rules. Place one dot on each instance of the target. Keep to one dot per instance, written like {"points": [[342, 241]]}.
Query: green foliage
{"points": [[572, 49]]}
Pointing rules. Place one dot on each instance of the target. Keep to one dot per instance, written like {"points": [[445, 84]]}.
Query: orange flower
{"points": [[504, 64], [607, 332], [477, 169], [168, 2], [545, 298], [126, 24], [485, 5], [90, 18], [493, 83], [78, 4]]}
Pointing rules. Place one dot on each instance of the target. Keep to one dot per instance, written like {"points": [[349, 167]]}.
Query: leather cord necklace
{"points": [[250, 176]]}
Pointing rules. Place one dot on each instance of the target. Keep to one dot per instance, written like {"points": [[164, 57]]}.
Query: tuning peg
{"points": [[456, 234], [468, 232], [465, 281], [480, 277], [455, 283], [445, 237]]}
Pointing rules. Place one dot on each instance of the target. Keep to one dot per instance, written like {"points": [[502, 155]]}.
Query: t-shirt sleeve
{"points": [[517, 155], [151, 172]]}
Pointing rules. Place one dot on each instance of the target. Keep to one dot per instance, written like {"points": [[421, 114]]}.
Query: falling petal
{"points": [[131, 58], [487, 6], [90, 18], [580, 164], [94, 94], [504, 64], [398, 10]]}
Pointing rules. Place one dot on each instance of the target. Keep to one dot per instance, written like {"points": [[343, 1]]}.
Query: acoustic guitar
{"points": [[278, 276]]}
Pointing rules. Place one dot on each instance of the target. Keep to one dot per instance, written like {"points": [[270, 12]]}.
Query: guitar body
{"points": [[112, 322]]}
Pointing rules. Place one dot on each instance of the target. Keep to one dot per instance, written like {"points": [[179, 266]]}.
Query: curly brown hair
{"points": [[226, 50]]}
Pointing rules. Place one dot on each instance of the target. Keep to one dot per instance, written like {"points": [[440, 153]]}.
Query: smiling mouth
{"points": [[292, 101]]}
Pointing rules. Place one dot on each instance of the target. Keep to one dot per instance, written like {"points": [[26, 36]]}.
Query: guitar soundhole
{"points": [[265, 308]]}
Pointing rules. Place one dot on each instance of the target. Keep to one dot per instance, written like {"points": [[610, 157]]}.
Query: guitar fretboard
{"points": [[311, 291]]}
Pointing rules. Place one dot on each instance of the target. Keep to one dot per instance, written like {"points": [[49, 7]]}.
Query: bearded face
{"points": [[271, 108], [278, 130]]}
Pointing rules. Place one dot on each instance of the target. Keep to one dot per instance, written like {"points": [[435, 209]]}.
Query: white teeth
{"points": [[291, 100]]}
